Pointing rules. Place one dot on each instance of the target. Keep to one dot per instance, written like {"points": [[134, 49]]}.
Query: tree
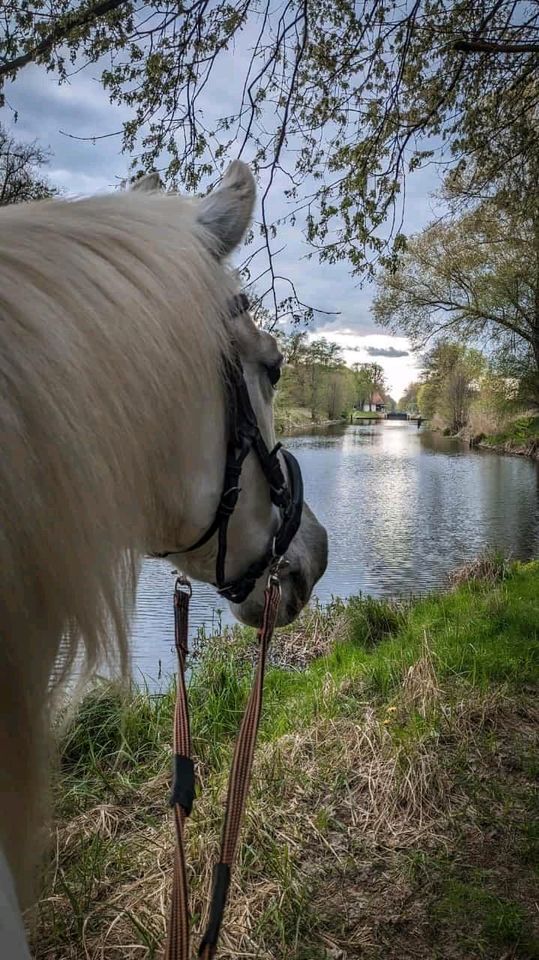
{"points": [[369, 379], [321, 356], [336, 105], [315, 377], [475, 278], [363, 384], [294, 345], [408, 401], [451, 380], [20, 171]]}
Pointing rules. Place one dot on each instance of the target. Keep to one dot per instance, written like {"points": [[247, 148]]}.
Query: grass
{"points": [[521, 435], [393, 810], [291, 419], [365, 415], [490, 922]]}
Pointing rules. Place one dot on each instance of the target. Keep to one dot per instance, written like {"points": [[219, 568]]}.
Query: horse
{"points": [[116, 339]]}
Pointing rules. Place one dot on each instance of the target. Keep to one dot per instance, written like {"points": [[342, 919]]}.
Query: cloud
{"points": [[59, 115], [386, 352], [399, 364]]}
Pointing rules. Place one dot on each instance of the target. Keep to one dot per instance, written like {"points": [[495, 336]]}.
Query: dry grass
{"points": [[420, 690], [483, 422], [311, 636], [332, 806], [388, 824], [489, 567]]}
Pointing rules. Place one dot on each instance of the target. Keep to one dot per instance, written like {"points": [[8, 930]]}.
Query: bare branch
{"points": [[491, 46]]}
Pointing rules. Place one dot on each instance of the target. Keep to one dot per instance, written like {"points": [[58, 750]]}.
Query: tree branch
{"points": [[73, 21], [493, 46]]}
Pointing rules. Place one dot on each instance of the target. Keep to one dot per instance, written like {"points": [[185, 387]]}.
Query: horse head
{"points": [[255, 496]]}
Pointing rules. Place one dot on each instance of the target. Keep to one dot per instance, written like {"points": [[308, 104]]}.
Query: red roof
{"points": [[376, 398]]}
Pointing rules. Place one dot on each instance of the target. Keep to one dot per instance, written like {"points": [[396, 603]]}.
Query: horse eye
{"points": [[274, 374]]}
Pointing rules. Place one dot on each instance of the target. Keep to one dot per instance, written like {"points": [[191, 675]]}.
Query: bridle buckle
{"points": [[182, 584], [277, 564]]}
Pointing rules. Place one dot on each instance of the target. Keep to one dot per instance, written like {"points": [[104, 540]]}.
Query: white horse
{"points": [[114, 324]]}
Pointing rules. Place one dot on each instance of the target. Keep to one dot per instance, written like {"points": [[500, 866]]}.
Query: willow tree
{"points": [[335, 102], [475, 279]]}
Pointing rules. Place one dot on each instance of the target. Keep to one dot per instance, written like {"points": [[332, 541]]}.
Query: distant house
{"points": [[376, 404]]}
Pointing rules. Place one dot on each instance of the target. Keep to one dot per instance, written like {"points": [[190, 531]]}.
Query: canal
{"points": [[402, 507]]}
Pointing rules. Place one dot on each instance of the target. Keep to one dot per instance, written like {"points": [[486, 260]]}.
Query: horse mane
{"points": [[111, 333]]}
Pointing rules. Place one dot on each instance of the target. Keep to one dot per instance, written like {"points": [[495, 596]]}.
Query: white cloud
{"points": [[399, 371], [48, 112], [74, 183]]}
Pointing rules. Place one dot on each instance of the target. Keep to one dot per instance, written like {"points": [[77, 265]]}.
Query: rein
{"points": [[183, 786], [286, 493]]}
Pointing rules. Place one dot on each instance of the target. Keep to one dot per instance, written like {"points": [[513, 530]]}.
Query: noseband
{"points": [[286, 492]]}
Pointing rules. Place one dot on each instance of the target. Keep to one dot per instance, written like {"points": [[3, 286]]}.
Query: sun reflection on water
{"points": [[403, 507]]}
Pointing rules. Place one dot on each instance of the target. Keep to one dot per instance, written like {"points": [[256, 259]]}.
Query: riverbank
{"points": [[392, 809], [294, 419], [358, 415], [520, 437]]}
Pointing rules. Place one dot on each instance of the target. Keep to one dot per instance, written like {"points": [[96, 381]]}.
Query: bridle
{"points": [[286, 492]]}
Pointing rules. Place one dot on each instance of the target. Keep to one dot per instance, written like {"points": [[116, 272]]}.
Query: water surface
{"points": [[402, 507]]}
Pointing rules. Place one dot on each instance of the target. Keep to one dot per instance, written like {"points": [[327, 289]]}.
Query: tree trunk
{"points": [[535, 327]]}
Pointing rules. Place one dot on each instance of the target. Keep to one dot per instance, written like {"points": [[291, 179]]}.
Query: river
{"points": [[402, 507]]}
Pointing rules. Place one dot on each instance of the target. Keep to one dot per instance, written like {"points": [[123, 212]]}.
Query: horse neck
{"points": [[112, 430]]}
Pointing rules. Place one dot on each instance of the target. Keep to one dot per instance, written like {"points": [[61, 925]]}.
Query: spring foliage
{"points": [[335, 103]]}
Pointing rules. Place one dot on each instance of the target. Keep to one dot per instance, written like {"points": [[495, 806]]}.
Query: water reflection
{"points": [[402, 508]]}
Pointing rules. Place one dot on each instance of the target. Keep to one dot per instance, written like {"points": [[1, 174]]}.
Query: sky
{"points": [[57, 115]]}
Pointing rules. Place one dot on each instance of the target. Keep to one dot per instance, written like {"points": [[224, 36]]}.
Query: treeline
{"points": [[470, 279], [316, 385], [460, 389]]}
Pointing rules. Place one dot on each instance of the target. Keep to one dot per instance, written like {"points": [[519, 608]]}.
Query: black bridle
{"points": [[286, 492]]}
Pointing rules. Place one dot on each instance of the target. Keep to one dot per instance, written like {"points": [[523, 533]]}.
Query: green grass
{"points": [[392, 807], [113, 746], [521, 433], [487, 922], [477, 636], [365, 415], [295, 418]]}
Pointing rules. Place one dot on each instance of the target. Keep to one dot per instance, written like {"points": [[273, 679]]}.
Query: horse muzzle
{"points": [[306, 562]]}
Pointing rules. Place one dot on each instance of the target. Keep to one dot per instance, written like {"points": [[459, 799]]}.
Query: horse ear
{"points": [[226, 212], [149, 183]]}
